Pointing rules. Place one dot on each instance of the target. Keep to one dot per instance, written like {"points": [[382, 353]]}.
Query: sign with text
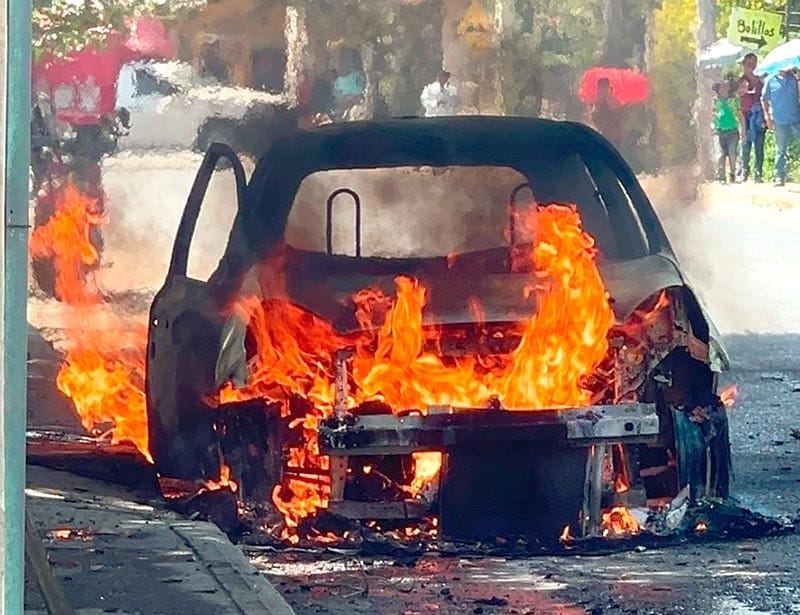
{"points": [[758, 30]]}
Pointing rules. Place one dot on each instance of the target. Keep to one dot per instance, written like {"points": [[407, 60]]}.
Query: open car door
{"points": [[183, 340]]}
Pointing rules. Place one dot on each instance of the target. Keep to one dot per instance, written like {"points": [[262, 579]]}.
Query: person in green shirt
{"points": [[727, 112]]}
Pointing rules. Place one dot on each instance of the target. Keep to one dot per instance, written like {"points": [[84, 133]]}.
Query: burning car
{"points": [[476, 324]]}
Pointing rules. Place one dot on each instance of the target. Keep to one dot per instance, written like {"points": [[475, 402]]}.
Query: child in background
{"points": [[727, 122]]}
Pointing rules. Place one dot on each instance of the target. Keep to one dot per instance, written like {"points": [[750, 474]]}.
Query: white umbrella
{"points": [[721, 54], [782, 57]]}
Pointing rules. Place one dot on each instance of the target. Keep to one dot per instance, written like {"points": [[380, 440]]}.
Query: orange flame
{"points": [[66, 238], [701, 527], [60, 534], [566, 534], [619, 522], [426, 469], [295, 353], [103, 375], [729, 395], [561, 345], [224, 482], [103, 371]]}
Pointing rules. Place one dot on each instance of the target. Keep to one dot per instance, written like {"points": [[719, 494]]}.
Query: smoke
{"points": [[146, 196], [738, 245], [406, 212]]}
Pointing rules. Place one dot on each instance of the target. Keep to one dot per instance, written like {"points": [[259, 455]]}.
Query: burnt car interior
{"points": [[353, 207]]}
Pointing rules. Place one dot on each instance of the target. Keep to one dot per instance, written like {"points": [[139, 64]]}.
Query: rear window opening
{"points": [[428, 212]]}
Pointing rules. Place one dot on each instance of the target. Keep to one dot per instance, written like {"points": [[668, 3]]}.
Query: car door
{"points": [[183, 342]]}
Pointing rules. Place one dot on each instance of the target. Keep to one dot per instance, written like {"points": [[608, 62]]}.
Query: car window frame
{"points": [[179, 260]]}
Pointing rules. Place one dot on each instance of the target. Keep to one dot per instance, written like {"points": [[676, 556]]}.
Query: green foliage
{"points": [[546, 48], [672, 78], [62, 26], [792, 158]]}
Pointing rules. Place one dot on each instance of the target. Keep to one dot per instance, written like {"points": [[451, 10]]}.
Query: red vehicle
{"points": [[75, 123]]}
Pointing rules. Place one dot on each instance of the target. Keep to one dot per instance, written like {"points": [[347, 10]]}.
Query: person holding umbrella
{"points": [[609, 95], [607, 113], [781, 102]]}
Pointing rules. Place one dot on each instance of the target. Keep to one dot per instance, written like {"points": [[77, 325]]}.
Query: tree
{"points": [[626, 31], [672, 77], [63, 26], [545, 49]]}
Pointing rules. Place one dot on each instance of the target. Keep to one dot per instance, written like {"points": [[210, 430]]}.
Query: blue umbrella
{"points": [[781, 58]]}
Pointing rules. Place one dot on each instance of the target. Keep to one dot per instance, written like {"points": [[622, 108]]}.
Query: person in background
{"points": [[782, 114], [754, 125], [349, 86], [727, 122], [607, 113], [316, 103], [321, 98], [439, 97], [211, 62]]}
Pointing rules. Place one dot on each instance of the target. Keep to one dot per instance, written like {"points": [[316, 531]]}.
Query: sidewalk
{"points": [[113, 551], [759, 195]]}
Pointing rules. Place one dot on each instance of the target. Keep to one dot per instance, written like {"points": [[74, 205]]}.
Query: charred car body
{"points": [[652, 427]]}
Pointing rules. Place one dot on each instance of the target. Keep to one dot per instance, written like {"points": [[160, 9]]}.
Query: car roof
{"points": [[440, 141]]}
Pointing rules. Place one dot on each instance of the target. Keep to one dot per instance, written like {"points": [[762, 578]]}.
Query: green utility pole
{"points": [[15, 54]]}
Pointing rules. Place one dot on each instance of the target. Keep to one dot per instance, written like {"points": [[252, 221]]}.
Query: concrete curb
{"points": [[248, 589]]}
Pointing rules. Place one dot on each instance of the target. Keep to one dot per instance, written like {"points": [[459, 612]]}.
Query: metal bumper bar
{"points": [[444, 428]]}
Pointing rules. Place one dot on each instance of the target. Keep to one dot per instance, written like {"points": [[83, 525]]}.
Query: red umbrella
{"points": [[628, 87], [149, 38]]}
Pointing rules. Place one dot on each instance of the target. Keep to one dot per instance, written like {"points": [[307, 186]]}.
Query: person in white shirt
{"points": [[440, 97]]}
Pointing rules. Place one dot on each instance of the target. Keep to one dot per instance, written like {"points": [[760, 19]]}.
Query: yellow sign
{"points": [[476, 27], [758, 30]]}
